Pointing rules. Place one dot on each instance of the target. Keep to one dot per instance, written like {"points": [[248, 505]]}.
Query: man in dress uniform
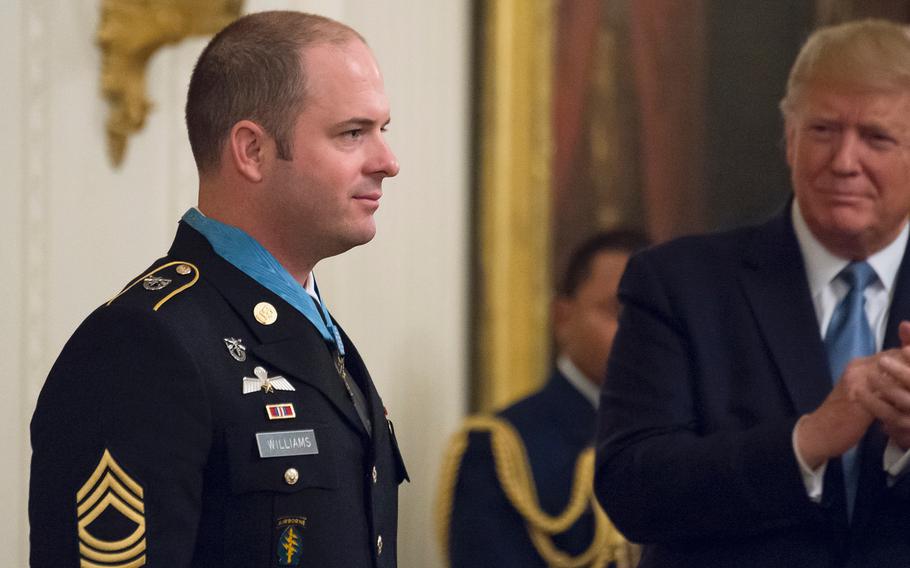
{"points": [[495, 522], [757, 407], [213, 413]]}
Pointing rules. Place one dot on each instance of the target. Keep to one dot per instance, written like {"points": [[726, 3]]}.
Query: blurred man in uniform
{"points": [[757, 411], [213, 413], [490, 523]]}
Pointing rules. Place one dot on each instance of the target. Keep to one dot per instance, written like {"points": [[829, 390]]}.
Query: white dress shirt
{"points": [[822, 269], [579, 380]]}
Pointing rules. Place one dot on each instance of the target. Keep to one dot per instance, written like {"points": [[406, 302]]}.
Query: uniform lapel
{"points": [[774, 280], [310, 362], [574, 412], [292, 344], [359, 372]]}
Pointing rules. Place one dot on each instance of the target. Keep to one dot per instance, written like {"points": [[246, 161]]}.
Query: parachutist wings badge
{"points": [[265, 383]]}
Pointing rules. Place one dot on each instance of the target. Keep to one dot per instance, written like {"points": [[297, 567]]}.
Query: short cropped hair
{"points": [[252, 69], [867, 55], [579, 268]]}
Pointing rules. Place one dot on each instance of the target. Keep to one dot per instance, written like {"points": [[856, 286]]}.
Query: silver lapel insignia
{"points": [[155, 283], [265, 383], [235, 348]]}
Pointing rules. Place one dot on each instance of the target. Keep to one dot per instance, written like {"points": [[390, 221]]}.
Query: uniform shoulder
{"points": [[157, 285], [533, 414], [531, 404]]}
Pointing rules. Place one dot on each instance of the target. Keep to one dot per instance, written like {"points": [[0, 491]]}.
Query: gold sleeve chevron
{"points": [[110, 486], [517, 481]]}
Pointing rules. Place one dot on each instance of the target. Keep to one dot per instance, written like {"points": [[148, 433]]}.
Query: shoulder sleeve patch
{"points": [[111, 518], [186, 275]]}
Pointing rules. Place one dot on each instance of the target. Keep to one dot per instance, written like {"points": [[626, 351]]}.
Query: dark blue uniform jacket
{"points": [[485, 530], [145, 447]]}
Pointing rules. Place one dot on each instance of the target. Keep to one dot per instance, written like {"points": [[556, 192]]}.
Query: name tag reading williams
{"points": [[284, 444]]}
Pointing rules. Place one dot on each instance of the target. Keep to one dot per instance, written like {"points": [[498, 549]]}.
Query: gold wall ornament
{"points": [[130, 32]]}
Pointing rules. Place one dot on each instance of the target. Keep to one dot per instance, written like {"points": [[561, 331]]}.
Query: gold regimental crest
{"points": [[110, 486]]}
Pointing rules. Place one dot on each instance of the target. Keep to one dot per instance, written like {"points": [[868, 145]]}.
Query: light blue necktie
{"points": [[848, 337]]}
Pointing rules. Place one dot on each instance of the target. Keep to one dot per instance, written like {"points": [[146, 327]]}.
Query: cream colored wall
{"points": [[73, 230]]}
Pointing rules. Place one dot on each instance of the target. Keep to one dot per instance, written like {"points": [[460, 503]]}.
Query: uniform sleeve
{"points": [[119, 439], [485, 530], [663, 474]]}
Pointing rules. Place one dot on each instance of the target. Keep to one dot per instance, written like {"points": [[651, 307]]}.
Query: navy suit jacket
{"points": [[718, 353], [555, 424]]}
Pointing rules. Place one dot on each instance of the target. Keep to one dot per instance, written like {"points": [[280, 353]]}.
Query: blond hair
{"points": [[864, 55]]}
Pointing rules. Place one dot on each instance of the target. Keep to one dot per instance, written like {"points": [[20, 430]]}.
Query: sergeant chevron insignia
{"points": [[265, 383], [110, 503]]}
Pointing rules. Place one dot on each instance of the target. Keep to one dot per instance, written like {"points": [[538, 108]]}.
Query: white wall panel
{"points": [[73, 229], [15, 398], [410, 284]]}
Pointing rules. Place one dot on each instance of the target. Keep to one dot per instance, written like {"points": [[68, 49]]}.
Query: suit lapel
{"points": [[292, 344], [775, 283], [900, 304], [774, 280], [873, 479]]}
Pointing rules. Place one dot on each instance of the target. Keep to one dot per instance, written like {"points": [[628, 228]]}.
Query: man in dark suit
{"points": [[757, 400], [213, 413], [552, 427]]}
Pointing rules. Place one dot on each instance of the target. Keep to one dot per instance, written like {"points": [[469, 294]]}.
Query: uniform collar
{"points": [[246, 254]]}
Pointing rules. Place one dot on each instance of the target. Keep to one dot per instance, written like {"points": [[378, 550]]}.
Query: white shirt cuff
{"points": [[813, 480], [894, 460]]}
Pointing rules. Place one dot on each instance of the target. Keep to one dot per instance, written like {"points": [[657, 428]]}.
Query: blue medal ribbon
{"points": [[251, 258]]}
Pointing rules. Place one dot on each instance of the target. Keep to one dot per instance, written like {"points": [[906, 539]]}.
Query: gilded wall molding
{"points": [[514, 236], [129, 34]]}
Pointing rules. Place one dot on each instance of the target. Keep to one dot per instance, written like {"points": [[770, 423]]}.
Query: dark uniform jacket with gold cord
{"points": [[485, 530], [147, 452]]}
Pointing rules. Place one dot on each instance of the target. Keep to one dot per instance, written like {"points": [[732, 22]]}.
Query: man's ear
{"points": [[789, 142], [247, 144]]}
